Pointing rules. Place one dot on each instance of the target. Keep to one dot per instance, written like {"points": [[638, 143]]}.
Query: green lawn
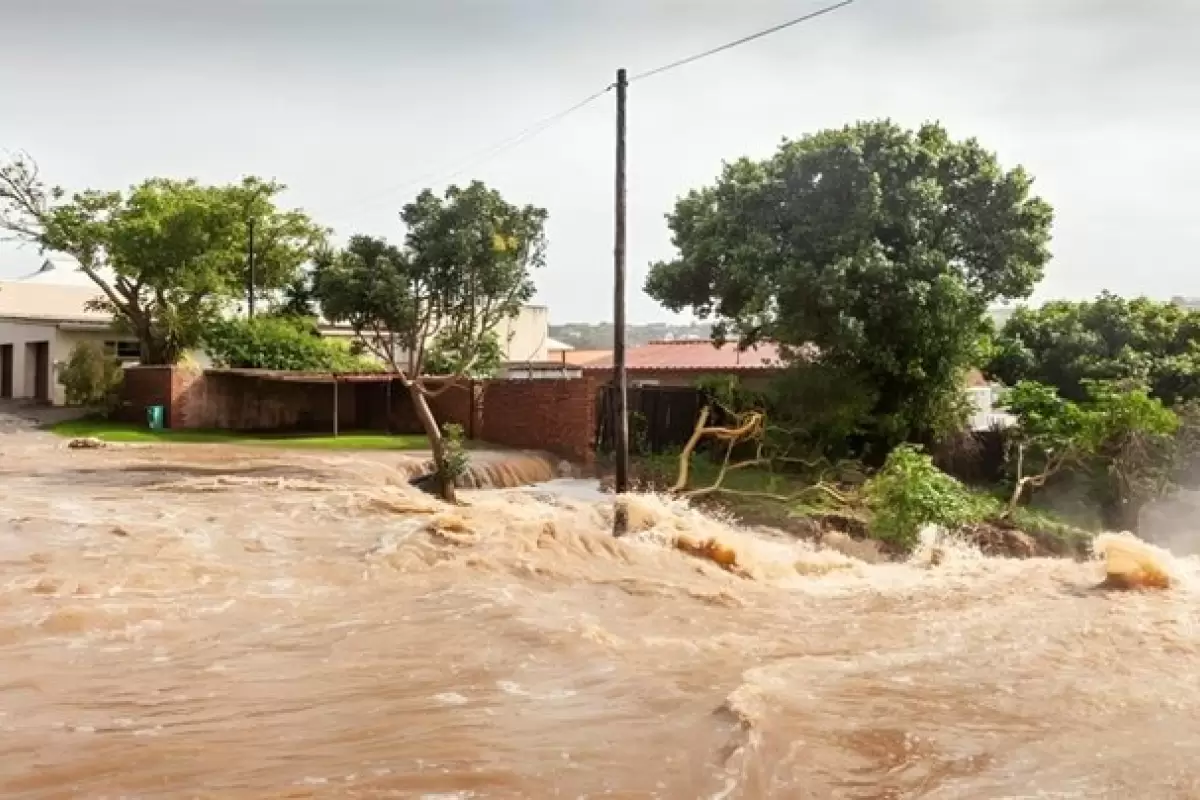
{"points": [[109, 431]]}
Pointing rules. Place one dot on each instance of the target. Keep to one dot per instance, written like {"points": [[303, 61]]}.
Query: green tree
{"points": [[1051, 433], [297, 298], [910, 493], [1065, 344], [465, 266], [880, 246], [168, 256], [448, 357], [280, 343], [91, 377], [1135, 439], [1129, 446]]}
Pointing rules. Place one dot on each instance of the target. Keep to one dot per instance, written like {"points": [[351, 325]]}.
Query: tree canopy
{"points": [[1128, 445], [1066, 344], [279, 342], [880, 246], [167, 255], [464, 267]]}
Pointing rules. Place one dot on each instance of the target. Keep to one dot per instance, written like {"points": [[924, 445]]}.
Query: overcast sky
{"points": [[356, 104]]}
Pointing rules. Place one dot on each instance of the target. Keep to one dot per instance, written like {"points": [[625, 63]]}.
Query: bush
{"points": [[280, 343], [910, 493], [454, 463], [92, 378]]}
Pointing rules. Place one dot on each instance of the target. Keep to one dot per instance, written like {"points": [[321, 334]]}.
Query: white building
{"points": [[43, 316]]}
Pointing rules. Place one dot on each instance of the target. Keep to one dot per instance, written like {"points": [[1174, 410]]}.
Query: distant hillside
{"points": [[599, 336]]}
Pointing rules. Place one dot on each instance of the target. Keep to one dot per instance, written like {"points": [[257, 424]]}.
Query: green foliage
{"points": [[448, 357], [1133, 437], [910, 493], [464, 268], [882, 247], [1128, 443], [91, 378], [281, 343], [1065, 344], [455, 459], [168, 256], [297, 298]]}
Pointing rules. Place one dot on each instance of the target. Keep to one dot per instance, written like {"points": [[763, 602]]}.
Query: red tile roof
{"points": [[696, 355], [578, 357]]}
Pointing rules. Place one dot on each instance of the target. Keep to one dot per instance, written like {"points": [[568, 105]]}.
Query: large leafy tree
{"points": [[168, 256], [1066, 344], [880, 246], [464, 267]]}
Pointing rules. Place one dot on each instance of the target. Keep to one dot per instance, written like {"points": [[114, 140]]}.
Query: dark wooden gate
{"points": [[661, 418], [40, 352], [6, 370]]}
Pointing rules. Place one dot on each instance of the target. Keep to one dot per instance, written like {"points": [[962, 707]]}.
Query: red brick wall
{"points": [[558, 416], [460, 404]]}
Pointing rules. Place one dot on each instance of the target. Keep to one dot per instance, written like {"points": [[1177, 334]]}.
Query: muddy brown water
{"points": [[199, 622]]}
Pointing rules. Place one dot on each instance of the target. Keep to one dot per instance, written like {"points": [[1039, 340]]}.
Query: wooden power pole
{"points": [[619, 376], [251, 278]]}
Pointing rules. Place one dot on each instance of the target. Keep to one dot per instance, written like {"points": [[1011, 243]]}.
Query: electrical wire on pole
{"points": [[620, 376], [737, 42], [486, 154]]}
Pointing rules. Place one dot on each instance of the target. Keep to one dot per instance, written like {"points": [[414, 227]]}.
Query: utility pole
{"points": [[620, 511], [619, 375], [250, 281]]}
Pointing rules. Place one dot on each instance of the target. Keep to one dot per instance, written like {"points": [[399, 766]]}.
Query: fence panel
{"points": [[661, 418]]}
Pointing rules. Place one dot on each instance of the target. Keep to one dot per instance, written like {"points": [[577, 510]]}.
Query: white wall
{"points": [[525, 337], [20, 334], [985, 414], [522, 338]]}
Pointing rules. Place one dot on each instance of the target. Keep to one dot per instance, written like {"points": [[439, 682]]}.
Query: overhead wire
{"points": [[738, 42], [496, 149], [548, 122]]}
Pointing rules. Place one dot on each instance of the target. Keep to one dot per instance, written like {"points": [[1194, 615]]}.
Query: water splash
{"points": [[309, 625]]}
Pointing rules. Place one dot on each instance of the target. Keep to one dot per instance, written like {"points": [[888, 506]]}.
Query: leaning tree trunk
{"points": [[436, 443]]}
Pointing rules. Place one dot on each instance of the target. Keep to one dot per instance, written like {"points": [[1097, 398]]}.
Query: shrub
{"points": [[91, 378], [447, 356], [280, 343], [454, 464], [910, 493]]}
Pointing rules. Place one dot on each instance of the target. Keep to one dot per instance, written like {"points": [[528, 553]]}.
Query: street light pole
{"points": [[250, 263]]}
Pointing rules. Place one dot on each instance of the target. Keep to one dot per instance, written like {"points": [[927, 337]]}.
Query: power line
{"points": [[730, 45], [505, 145], [495, 150]]}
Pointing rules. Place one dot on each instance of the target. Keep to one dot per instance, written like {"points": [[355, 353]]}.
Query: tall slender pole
{"points": [[619, 375], [251, 277]]}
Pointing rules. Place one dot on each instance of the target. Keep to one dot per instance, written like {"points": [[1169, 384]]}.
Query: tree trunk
{"points": [[1017, 493], [434, 434]]}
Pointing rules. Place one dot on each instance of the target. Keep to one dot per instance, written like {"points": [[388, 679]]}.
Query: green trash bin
{"points": [[154, 417]]}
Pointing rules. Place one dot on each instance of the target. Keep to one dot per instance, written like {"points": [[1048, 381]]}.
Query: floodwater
{"points": [[200, 622]]}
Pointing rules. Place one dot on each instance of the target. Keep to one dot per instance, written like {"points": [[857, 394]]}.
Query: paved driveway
{"points": [[19, 415]]}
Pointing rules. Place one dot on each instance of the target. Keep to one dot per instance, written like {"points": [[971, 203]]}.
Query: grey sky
{"points": [[354, 104]]}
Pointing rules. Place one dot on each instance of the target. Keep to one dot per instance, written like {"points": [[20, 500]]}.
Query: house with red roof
{"points": [[681, 362]]}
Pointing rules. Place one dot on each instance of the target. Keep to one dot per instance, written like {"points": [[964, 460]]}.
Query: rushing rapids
{"points": [[207, 623]]}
